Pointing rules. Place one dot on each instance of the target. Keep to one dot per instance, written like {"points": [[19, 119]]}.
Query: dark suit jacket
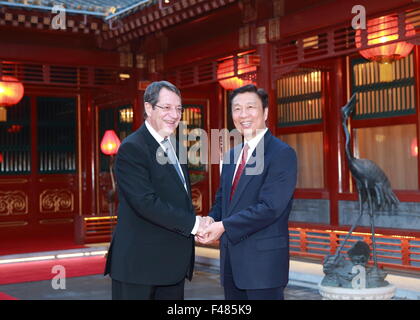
{"points": [[152, 244], [256, 220]]}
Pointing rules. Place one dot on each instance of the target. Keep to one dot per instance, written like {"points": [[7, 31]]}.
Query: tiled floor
{"points": [[205, 286]]}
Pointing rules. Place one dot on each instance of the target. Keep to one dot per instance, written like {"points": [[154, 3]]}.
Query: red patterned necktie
{"points": [[239, 170]]}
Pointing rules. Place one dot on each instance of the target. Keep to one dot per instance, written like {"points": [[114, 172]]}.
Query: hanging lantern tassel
{"points": [[386, 73], [3, 114]]}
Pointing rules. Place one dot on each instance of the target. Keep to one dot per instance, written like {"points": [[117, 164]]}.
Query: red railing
{"points": [[393, 251], [94, 229]]}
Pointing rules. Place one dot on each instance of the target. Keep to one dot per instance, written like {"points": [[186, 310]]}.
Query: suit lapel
{"points": [[229, 170], [251, 169], [160, 156], [184, 168]]}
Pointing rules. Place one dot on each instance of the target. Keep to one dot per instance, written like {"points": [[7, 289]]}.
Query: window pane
{"points": [[193, 118], [393, 149], [309, 150], [15, 145], [378, 98], [125, 121], [299, 99], [119, 119], [56, 135]]}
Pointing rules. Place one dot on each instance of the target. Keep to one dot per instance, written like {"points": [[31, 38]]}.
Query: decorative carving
{"points": [[56, 200], [197, 200], [13, 203], [278, 8], [249, 10], [152, 65], [140, 61], [244, 38], [274, 29], [56, 221], [261, 37]]}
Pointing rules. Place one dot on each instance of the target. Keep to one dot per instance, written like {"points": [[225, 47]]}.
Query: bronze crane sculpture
{"points": [[372, 184]]}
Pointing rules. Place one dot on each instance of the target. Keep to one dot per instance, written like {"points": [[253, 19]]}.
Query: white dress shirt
{"points": [[252, 144]]}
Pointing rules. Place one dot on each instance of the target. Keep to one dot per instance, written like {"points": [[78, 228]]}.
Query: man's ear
{"points": [[148, 108]]}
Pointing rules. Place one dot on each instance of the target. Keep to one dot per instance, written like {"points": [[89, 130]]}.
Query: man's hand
{"points": [[205, 222], [212, 233]]}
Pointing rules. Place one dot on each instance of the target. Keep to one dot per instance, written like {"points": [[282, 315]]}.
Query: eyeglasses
{"points": [[167, 109]]}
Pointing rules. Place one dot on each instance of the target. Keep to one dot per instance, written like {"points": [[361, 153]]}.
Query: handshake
{"points": [[208, 230]]}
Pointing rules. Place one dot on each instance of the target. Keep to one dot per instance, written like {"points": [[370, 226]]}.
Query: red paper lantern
{"points": [[110, 143], [11, 91], [383, 30], [226, 69]]}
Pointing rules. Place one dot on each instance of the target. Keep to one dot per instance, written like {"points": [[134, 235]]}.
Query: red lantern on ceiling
{"points": [[380, 31], [226, 72], [11, 92], [110, 143]]}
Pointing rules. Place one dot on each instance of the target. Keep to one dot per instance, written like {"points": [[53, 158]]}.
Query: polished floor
{"points": [[205, 286]]}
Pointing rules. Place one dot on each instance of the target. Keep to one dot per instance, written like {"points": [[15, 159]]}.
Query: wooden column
{"points": [[334, 99], [264, 79], [138, 104], [87, 141]]}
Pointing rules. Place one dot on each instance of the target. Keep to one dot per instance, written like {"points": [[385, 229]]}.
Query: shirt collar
{"points": [[252, 144], [155, 134]]}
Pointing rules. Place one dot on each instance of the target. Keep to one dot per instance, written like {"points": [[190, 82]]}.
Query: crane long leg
{"points": [[372, 227], [352, 228]]}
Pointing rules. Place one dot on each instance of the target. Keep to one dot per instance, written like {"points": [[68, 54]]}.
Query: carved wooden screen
{"points": [[15, 144], [56, 119], [39, 182], [378, 99], [384, 125], [300, 116]]}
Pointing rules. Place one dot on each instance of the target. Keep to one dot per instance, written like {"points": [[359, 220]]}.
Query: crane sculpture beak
{"points": [[348, 109]]}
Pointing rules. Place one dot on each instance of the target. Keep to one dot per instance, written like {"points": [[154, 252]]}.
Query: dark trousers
{"points": [[232, 292], [133, 291]]}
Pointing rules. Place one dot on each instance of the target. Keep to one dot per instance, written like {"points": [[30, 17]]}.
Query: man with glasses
{"points": [[152, 249]]}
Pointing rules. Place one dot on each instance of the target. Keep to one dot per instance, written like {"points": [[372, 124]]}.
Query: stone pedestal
{"points": [[337, 293]]}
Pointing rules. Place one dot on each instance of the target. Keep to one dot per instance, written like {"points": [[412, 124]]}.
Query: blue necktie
{"points": [[173, 159]]}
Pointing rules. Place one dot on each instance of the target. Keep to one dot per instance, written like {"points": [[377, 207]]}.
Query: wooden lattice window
{"points": [[299, 99], [56, 119], [300, 116], [193, 119], [384, 126], [15, 139], [120, 120], [378, 99]]}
